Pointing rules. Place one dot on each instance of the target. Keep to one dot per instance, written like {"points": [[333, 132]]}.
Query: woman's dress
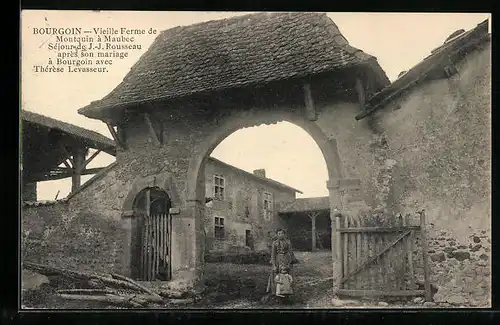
{"points": [[281, 256]]}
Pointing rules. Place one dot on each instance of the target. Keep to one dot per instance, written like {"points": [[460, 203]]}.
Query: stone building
{"points": [[241, 209]]}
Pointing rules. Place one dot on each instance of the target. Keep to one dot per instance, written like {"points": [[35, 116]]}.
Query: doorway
{"points": [[151, 237]]}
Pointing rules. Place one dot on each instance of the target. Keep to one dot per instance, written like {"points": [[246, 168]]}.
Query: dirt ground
{"points": [[229, 286], [244, 286]]}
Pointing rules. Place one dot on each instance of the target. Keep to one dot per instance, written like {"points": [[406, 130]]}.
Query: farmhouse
{"points": [[420, 142], [241, 210]]}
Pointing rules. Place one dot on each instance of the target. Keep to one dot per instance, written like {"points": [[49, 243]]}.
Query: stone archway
{"points": [[244, 119], [162, 181], [195, 187], [162, 185]]}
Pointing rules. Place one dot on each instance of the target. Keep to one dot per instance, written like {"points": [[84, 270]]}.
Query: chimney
{"points": [[260, 172]]}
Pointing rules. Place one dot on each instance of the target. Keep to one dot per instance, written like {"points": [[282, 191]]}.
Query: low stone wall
{"points": [[262, 258], [461, 270], [56, 235]]}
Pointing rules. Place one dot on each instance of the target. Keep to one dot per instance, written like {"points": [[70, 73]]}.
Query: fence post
{"points": [[337, 269], [423, 235]]}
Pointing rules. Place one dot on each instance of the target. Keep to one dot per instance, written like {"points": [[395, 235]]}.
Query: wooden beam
{"points": [[313, 232], [67, 164], [151, 128], [427, 279], [89, 171], [360, 90], [310, 109], [78, 166], [450, 70], [338, 271], [91, 158], [313, 214], [69, 155], [113, 133], [378, 230], [118, 141], [62, 175], [61, 169]]}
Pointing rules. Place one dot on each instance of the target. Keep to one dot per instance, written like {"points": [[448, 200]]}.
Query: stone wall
{"points": [[57, 235], [86, 230], [461, 272], [438, 148]]}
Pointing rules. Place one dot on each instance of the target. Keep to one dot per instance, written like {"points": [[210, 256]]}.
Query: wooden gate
{"points": [[382, 258], [155, 254]]}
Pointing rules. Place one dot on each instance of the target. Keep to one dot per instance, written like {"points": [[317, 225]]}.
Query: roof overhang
{"points": [[229, 40], [432, 67]]}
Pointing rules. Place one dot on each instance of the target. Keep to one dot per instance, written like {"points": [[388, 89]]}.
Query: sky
{"points": [[398, 40]]}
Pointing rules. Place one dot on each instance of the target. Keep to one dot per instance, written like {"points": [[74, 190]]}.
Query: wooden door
{"points": [[154, 237]]}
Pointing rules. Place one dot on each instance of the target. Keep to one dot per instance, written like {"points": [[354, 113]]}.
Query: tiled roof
{"points": [[97, 140], [305, 205], [453, 49], [246, 50], [264, 179]]}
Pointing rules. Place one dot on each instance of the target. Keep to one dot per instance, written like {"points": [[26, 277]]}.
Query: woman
{"points": [[282, 257]]}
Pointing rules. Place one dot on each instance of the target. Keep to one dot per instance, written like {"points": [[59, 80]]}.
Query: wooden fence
{"points": [[155, 254], [382, 258]]}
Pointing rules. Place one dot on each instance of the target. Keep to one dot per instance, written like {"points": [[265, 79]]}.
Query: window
{"points": [[219, 186], [219, 227], [268, 205], [247, 212]]}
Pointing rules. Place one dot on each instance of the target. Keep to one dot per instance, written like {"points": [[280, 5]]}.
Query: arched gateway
{"points": [[198, 84]]}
